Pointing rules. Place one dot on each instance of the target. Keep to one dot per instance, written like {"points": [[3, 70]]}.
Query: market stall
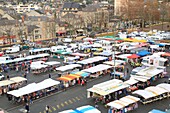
{"points": [[103, 91], [90, 62], [152, 93], [123, 105], [69, 80], [133, 84], [98, 70], [34, 90], [64, 70], [11, 84], [123, 57], [37, 51], [82, 74], [71, 60]]}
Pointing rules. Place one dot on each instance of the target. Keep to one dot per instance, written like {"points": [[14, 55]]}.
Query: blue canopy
{"points": [[86, 109], [105, 53], [161, 45], [143, 53], [156, 111]]}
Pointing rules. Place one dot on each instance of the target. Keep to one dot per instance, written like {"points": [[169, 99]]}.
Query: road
{"points": [[73, 97]]}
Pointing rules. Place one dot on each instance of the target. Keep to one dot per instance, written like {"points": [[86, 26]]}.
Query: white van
{"points": [[58, 48], [13, 49]]}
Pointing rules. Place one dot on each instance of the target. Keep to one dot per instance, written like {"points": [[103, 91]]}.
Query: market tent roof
{"points": [[108, 87], [39, 49], [123, 56], [156, 90], [6, 82], [105, 53], [166, 54], [87, 109], [143, 53], [74, 75], [116, 104], [150, 71], [140, 78], [133, 56], [52, 63], [97, 68], [92, 60], [114, 62], [18, 79], [124, 101], [68, 67], [129, 99], [164, 86], [145, 94], [68, 111], [33, 87], [64, 78], [156, 111], [22, 91], [83, 74], [131, 81], [79, 54], [47, 83]]}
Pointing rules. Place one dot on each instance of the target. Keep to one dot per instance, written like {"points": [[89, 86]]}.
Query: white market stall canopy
{"points": [[116, 62], [123, 56], [39, 50], [52, 63], [150, 71], [92, 60], [25, 58], [164, 86], [68, 67], [33, 87], [108, 87], [12, 81], [153, 91], [145, 94], [18, 79], [156, 90], [80, 54], [140, 78], [97, 68], [123, 102], [131, 81]]}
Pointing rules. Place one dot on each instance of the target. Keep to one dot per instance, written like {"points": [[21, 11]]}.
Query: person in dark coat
{"points": [[27, 108], [49, 75]]}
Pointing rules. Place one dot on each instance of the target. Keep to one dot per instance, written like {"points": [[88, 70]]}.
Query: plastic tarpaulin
{"points": [[156, 111], [143, 53]]}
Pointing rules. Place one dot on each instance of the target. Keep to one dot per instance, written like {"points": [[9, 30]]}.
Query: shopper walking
{"points": [[47, 109]]}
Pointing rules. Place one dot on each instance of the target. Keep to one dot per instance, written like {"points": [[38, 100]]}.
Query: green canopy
{"points": [[109, 37], [59, 51]]}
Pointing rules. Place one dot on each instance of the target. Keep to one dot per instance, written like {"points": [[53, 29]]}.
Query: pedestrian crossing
{"points": [[63, 104]]}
